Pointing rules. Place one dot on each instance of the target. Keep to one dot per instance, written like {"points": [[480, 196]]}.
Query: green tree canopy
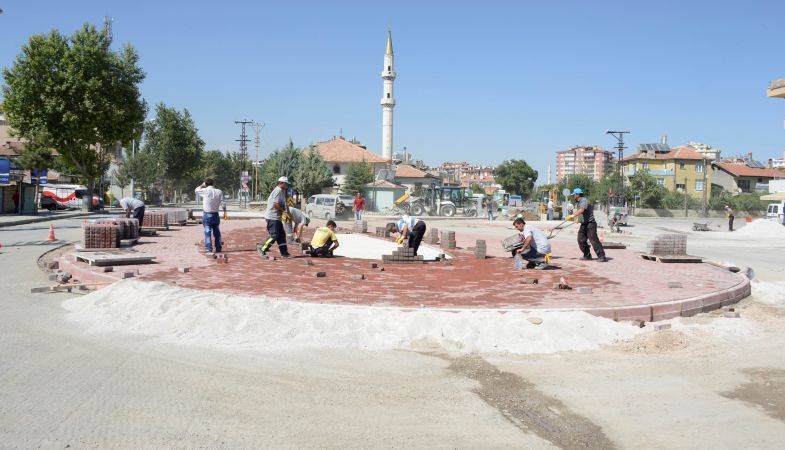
{"points": [[173, 145], [312, 174], [77, 94], [644, 187], [516, 177], [577, 180], [282, 162], [477, 189], [357, 176], [609, 185]]}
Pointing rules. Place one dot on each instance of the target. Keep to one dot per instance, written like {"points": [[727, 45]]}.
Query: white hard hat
{"points": [[283, 180]]}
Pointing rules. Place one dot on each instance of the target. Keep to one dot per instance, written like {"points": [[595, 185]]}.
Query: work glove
{"points": [[286, 217], [399, 241], [569, 218]]}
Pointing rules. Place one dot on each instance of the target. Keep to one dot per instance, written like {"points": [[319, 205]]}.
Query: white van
{"points": [[329, 206], [776, 211]]}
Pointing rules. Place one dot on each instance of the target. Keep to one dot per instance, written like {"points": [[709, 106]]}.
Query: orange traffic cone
{"points": [[52, 232]]}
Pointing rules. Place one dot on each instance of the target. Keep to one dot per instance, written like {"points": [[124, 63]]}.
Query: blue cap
{"points": [[577, 191]]}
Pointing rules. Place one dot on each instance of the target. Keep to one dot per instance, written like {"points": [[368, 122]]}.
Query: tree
{"points": [[172, 143], [577, 180], [645, 188], [516, 177], [609, 185], [122, 178], [312, 174], [282, 162], [357, 176], [76, 93], [477, 189]]}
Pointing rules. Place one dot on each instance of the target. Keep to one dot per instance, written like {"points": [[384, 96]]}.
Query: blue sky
{"points": [[481, 81]]}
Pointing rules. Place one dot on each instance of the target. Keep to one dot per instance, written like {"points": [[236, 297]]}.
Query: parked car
{"points": [[329, 206], [776, 211]]}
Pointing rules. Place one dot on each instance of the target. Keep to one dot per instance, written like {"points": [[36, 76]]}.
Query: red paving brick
{"points": [[627, 287]]}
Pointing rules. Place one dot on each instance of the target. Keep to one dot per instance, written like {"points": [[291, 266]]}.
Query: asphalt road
{"points": [[721, 385]]}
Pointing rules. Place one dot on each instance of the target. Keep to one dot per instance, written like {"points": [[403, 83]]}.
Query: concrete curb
{"points": [[46, 218]]}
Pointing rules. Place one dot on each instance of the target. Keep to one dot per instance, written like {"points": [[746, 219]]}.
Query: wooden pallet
{"points": [[672, 258], [114, 257], [123, 243], [614, 245]]}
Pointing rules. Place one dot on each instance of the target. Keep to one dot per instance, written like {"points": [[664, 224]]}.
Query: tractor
{"points": [[439, 201]]}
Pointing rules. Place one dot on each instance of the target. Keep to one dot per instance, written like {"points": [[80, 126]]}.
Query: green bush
{"points": [[747, 202]]}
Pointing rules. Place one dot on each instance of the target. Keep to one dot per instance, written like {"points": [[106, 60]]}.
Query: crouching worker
{"points": [[408, 227], [324, 241], [293, 223], [535, 245]]}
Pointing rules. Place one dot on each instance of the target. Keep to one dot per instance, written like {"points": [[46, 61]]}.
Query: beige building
{"points": [[588, 160]]}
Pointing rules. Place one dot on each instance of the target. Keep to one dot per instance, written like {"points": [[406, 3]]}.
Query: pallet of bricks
{"points": [[480, 249], [126, 228], [432, 236], [382, 232], [404, 255], [156, 219], [360, 226], [177, 216], [447, 240], [668, 245], [100, 235]]}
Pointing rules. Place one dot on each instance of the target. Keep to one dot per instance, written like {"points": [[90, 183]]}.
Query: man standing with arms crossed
{"points": [[276, 207], [211, 204]]}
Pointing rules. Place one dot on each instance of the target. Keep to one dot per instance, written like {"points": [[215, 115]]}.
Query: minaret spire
{"points": [[388, 100]]}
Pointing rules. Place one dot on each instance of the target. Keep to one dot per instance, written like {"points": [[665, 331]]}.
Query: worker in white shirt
{"points": [[133, 207], [408, 227], [211, 205], [293, 223]]}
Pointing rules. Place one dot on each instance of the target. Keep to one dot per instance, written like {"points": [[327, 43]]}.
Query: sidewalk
{"points": [[9, 220]]}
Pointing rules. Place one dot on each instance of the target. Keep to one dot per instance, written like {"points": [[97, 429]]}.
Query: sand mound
{"points": [[762, 228], [217, 320], [772, 294]]}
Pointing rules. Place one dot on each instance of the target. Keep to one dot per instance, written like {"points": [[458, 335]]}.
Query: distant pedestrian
{"points": [[584, 214], [549, 213], [731, 215], [359, 206], [276, 206], [211, 205], [491, 208], [133, 207]]}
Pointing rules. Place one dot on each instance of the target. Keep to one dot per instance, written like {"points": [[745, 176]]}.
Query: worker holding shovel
{"points": [[584, 214]]}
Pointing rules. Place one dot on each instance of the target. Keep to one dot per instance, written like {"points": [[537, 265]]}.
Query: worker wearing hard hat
{"points": [[408, 227], [276, 207], [584, 214]]}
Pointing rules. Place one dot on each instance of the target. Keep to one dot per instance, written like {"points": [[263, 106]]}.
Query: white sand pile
{"points": [[772, 294], [366, 247], [766, 228], [217, 320]]}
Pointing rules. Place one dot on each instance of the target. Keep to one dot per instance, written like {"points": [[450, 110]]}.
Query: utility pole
{"points": [[619, 135], [243, 156], [705, 205], [257, 128]]}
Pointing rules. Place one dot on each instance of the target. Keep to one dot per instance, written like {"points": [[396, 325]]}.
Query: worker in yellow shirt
{"points": [[324, 241]]}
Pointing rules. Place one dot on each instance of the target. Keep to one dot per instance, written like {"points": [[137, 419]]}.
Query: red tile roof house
{"points": [[412, 177], [340, 154], [738, 178]]}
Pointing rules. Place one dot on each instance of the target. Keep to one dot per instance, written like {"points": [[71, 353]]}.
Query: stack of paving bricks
{"points": [[155, 219], [126, 228], [382, 232], [480, 249], [447, 240], [404, 255], [668, 244], [360, 226], [100, 235], [177, 215], [432, 237]]}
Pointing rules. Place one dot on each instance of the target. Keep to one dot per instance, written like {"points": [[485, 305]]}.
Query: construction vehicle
{"points": [[438, 201]]}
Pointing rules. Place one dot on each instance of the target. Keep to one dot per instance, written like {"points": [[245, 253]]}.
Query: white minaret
{"points": [[388, 100]]}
